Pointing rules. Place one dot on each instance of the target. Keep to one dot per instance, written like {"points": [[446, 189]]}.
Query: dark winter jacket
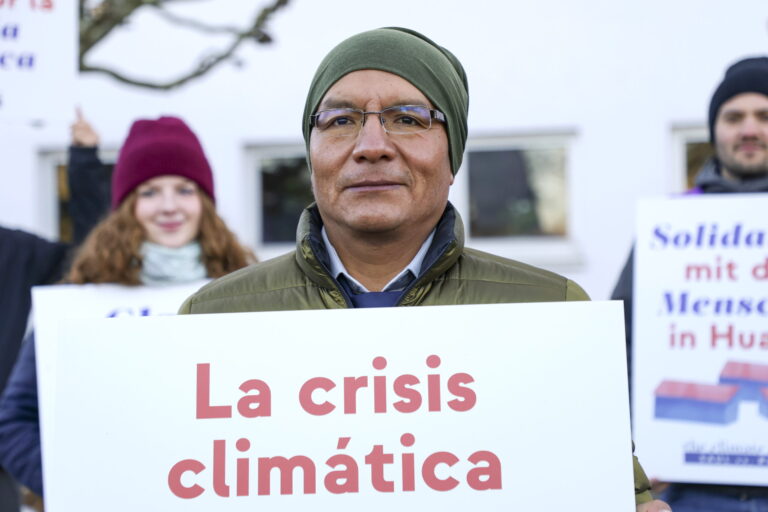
{"points": [[27, 261]]}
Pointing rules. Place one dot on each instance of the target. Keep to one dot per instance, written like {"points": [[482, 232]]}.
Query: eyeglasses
{"points": [[400, 119]]}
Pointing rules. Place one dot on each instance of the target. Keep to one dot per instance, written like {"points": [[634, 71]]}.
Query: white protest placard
{"points": [[700, 358], [496, 407], [52, 304], [38, 59]]}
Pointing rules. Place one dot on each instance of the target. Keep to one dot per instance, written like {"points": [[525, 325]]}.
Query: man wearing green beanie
{"points": [[385, 125]]}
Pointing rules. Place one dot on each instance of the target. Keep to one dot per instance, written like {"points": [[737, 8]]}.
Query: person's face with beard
{"points": [[741, 136]]}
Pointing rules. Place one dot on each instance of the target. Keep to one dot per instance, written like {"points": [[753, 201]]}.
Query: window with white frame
{"points": [[695, 150], [513, 194], [280, 181], [285, 191], [517, 191]]}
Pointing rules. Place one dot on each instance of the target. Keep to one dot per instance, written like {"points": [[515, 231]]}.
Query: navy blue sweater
{"points": [[20, 451]]}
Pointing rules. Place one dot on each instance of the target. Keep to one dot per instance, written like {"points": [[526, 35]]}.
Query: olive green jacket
{"points": [[451, 274], [454, 275]]}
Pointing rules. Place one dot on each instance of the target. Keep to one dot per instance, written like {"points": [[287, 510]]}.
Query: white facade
{"points": [[623, 83]]}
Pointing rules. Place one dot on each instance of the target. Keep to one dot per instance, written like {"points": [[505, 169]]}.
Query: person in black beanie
{"points": [[738, 132], [738, 122], [746, 75]]}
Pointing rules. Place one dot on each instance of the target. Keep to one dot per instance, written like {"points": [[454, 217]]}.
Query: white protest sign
{"points": [[38, 59], [496, 407], [700, 358], [52, 304]]}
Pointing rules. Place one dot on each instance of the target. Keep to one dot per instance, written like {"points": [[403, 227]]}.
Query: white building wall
{"points": [[618, 75]]}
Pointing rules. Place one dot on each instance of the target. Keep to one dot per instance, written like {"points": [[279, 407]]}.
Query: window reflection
{"points": [[696, 153], [285, 191], [517, 192]]}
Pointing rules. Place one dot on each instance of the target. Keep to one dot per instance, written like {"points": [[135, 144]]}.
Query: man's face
{"points": [[741, 136], [377, 182]]}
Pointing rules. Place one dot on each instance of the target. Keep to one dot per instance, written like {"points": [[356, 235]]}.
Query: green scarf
{"points": [[432, 69], [162, 265]]}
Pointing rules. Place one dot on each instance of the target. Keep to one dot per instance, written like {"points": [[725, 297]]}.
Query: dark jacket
{"points": [[27, 261]]}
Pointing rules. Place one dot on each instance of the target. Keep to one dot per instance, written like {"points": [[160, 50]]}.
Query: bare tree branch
{"points": [[195, 24], [111, 13], [101, 20]]}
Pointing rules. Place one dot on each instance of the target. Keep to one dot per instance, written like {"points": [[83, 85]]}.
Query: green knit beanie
{"points": [[432, 69]]}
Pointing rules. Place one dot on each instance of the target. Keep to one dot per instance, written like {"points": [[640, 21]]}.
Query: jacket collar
{"points": [[711, 181], [312, 256]]}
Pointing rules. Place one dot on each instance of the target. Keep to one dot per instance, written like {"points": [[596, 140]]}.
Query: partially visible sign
{"points": [[452, 408], [52, 304], [700, 365], [38, 59]]}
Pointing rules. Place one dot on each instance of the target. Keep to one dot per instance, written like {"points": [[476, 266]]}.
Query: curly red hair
{"points": [[112, 251]]}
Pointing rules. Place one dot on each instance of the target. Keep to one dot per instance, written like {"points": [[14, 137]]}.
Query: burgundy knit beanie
{"points": [[156, 148]]}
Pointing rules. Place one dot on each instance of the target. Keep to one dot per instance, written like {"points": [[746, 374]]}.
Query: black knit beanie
{"points": [[746, 75]]}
